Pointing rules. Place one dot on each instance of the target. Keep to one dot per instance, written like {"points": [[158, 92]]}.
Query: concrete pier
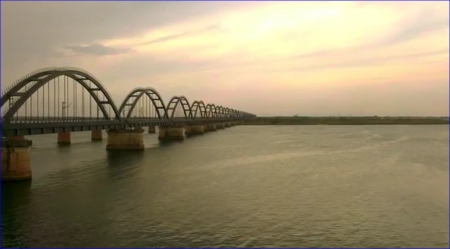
{"points": [[96, 135], [151, 129], [210, 127], [125, 140], [171, 133], [195, 129], [16, 159], [227, 124], [64, 138], [220, 126]]}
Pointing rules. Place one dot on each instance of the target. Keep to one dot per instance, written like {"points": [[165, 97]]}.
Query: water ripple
{"points": [[288, 186]]}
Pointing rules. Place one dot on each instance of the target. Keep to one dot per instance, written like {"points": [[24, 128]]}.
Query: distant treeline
{"points": [[373, 120]]}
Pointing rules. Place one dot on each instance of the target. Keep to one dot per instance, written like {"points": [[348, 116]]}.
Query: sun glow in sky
{"points": [[268, 58]]}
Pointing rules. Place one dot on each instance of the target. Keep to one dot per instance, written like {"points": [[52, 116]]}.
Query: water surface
{"points": [[246, 186]]}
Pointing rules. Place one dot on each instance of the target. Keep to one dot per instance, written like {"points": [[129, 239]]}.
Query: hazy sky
{"points": [[267, 58]]}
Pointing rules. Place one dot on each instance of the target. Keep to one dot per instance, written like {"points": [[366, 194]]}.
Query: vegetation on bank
{"points": [[374, 120]]}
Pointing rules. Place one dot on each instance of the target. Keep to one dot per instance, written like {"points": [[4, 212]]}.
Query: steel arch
{"points": [[224, 112], [231, 112], [198, 105], [227, 112], [219, 111], [137, 93], [173, 103], [42, 77], [235, 113], [211, 111]]}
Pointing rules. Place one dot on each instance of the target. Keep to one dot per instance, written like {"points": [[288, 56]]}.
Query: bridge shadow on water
{"points": [[14, 195], [165, 144], [71, 151], [174, 142], [120, 158], [124, 164], [17, 193]]}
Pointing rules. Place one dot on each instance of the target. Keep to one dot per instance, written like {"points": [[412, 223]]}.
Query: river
{"points": [[246, 186]]}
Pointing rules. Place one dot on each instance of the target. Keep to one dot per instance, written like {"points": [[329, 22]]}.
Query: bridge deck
{"points": [[46, 126]]}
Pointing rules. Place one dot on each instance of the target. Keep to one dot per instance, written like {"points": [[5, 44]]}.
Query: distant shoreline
{"points": [[347, 121]]}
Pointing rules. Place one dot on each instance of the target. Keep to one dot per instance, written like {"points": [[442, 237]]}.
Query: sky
{"points": [[265, 58]]}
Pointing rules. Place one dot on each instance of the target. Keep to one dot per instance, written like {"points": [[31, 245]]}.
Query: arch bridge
{"points": [[63, 100], [51, 100]]}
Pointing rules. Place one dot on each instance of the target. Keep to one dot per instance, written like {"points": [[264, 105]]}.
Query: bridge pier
{"points": [[171, 133], [151, 129], [195, 129], [210, 127], [227, 124], [96, 135], [64, 138], [16, 159], [220, 126], [125, 140]]}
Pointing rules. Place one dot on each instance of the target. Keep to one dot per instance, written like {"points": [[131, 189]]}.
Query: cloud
{"points": [[263, 37], [365, 61], [26, 45], [97, 49], [213, 27], [222, 51], [422, 23]]}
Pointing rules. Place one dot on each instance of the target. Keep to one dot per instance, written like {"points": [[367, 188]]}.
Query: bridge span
{"points": [[64, 100]]}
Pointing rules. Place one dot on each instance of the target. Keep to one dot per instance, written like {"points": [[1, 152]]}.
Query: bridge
{"points": [[64, 100]]}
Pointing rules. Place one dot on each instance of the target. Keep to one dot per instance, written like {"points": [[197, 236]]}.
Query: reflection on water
{"points": [[272, 186], [15, 200]]}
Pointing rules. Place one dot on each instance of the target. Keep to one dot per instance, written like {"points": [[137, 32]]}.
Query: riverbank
{"points": [[347, 121]]}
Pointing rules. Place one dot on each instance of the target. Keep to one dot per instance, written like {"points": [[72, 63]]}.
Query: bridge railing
{"points": [[37, 120], [69, 119]]}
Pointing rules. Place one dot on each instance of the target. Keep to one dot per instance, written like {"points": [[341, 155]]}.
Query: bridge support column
{"points": [[210, 127], [195, 129], [96, 135], [16, 159], [227, 124], [64, 137], [151, 129], [125, 140], [220, 126], [171, 133]]}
